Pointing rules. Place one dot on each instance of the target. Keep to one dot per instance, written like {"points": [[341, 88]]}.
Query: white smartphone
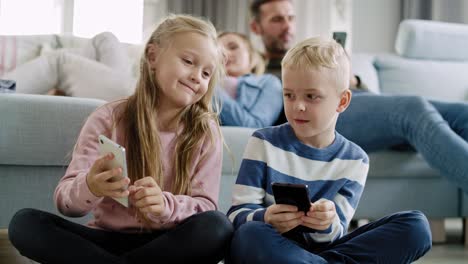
{"points": [[108, 146]]}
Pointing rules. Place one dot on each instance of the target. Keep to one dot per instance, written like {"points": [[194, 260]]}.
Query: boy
{"points": [[308, 150]]}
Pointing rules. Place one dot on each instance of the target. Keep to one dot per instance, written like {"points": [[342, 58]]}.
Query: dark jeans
{"points": [[399, 238], [47, 238]]}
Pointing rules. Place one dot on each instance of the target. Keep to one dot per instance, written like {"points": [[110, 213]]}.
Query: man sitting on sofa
{"points": [[437, 130]]}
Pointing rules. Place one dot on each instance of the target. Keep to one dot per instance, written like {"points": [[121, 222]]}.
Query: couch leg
{"points": [[438, 230]]}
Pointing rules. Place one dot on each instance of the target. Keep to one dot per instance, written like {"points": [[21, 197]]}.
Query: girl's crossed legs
{"points": [[47, 238]]}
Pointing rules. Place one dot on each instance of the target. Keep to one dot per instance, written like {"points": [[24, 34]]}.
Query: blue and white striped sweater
{"points": [[336, 173]]}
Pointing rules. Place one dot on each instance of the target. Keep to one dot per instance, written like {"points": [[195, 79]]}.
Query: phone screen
{"points": [[293, 194]]}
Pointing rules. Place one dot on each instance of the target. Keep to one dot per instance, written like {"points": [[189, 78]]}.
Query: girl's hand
{"points": [[283, 217], [320, 215], [99, 179], [147, 196]]}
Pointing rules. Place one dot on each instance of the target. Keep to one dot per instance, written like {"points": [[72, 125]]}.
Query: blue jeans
{"points": [[438, 130], [399, 238]]}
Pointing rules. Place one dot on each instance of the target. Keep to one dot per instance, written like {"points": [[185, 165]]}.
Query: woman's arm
{"points": [[258, 103]]}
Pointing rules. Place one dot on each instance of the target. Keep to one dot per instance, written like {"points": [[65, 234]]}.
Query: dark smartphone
{"points": [[293, 194], [340, 37]]}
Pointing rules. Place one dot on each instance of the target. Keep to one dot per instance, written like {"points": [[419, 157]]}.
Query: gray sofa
{"points": [[37, 134]]}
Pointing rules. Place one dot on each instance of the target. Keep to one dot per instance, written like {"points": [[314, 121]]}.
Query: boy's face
{"points": [[312, 104]]}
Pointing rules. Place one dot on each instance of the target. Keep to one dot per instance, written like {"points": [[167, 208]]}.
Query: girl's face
{"points": [[237, 50], [183, 69]]}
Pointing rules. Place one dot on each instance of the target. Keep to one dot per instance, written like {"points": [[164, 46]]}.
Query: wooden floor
{"points": [[8, 254], [452, 252]]}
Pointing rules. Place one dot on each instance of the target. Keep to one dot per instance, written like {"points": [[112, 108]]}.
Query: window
{"points": [[26, 17], [124, 18], [84, 18]]}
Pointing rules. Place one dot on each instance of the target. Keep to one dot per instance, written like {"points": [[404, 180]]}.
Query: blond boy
{"points": [[308, 150]]}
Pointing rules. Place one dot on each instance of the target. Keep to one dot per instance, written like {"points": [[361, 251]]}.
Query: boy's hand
{"points": [[320, 215], [283, 217], [99, 179], [147, 196]]}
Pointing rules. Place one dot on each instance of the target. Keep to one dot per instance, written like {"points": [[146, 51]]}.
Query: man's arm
{"points": [[258, 105]]}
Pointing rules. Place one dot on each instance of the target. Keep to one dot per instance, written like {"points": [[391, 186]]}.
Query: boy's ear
{"points": [[345, 100]]}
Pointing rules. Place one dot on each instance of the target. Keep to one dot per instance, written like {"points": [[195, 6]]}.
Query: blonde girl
{"points": [[248, 97], [174, 157]]}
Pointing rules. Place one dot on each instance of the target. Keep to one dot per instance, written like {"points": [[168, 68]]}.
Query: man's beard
{"points": [[277, 47]]}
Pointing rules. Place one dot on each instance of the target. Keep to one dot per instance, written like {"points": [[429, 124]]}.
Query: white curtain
{"points": [[226, 15]]}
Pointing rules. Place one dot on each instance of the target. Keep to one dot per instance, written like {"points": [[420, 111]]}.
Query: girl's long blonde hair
{"points": [[139, 116]]}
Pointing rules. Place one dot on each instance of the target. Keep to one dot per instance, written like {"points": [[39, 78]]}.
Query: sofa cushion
{"points": [[441, 80], [424, 39], [236, 139], [400, 164], [132, 52]]}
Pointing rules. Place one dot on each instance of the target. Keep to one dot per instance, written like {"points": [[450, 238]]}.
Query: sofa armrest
{"points": [[41, 130]]}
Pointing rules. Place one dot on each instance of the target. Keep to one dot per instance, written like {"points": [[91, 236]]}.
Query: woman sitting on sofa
{"points": [[101, 70], [248, 97]]}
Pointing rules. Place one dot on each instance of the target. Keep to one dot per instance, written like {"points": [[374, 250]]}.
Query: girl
{"points": [[174, 153], [248, 98]]}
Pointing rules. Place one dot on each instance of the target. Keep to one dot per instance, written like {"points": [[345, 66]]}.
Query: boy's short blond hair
{"points": [[319, 53]]}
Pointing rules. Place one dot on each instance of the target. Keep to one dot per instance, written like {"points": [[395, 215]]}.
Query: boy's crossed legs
{"points": [[257, 242]]}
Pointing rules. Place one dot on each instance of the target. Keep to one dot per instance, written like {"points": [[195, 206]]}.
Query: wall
{"points": [[374, 25], [322, 17]]}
